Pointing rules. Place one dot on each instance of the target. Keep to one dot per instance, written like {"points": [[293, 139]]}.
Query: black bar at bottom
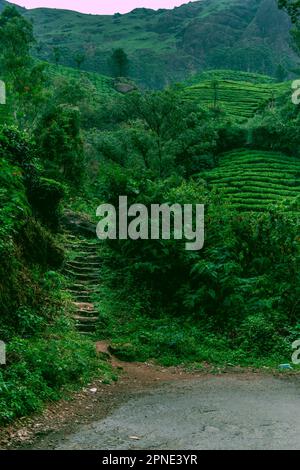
{"points": [[135, 459]]}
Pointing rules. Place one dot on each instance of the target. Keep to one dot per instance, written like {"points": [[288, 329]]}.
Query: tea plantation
{"points": [[254, 180], [238, 99]]}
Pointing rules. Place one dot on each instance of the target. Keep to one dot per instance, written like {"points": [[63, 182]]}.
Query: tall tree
{"points": [[56, 54], [60, 144], [17, 68], [16, 38], [167, 132], [79, 59], [120, 63]]}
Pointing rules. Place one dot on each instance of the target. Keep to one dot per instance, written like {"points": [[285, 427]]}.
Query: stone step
{"points": [[85, 309], [82, 287], [85, 320], [87, 282], [84, 270], [86, 253], [86, 328], [84, 263], [82, 276], [79, 259], [82, 250], [81, 268], [84, 305], [86, 314], [81, 271], [91, 255], [82, 246], [79, 292], [87, 258], [81, 298], [82, 240], [82, 292]]}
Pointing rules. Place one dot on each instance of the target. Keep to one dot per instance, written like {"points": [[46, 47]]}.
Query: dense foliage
{"points": [[69, 140], [41, 159]]}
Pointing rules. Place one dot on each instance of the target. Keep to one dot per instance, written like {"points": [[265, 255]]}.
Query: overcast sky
{"points": [[101, 7]]}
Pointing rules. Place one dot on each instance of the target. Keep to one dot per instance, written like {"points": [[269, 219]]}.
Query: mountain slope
{"points": [[169, 45]]}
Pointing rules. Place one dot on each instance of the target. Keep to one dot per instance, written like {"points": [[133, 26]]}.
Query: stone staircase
{"points": [[82, 269]]}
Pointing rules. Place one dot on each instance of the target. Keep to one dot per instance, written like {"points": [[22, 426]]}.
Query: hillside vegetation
{"points": [[69, 142], [102, 84], [228, 75], [254, 180], [45, 355], [239, 99], [165, 46]]}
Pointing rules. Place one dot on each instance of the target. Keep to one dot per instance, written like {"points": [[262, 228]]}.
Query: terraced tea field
{"points": [[254, 180], [231, 75], [240, 100]]}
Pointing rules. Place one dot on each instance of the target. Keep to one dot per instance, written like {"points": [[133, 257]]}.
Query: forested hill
{"points": [[169, 45]]}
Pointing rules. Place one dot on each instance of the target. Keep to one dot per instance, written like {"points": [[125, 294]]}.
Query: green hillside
{"points": [[239, 99], [253, 180], [102, 83], [166, 46]]}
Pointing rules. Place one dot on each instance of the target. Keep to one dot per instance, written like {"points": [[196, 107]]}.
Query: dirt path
{"points": [[152, 407], [96, 401]]}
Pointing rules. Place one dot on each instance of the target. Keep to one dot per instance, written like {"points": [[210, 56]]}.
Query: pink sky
{"points": [[101, 7]]}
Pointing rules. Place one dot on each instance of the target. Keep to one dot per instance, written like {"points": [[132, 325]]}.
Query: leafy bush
{"points": [[259, 336], [45, 196], [38, 245], [230, 137], [60, 144], [277, 129], [240, 273], [42, 369]]}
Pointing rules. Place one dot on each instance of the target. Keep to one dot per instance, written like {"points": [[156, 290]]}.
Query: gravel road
{"points": [[214, 412]]}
